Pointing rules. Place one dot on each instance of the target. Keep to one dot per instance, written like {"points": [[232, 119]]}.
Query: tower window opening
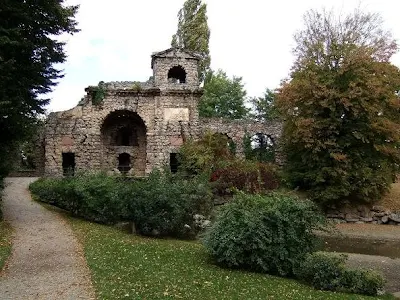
{"points": [[177, 75]]}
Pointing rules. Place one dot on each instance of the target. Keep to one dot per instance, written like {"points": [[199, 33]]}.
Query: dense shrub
{"points": [[93, 196], [162, 204], [165, 205], [367, 282], [322, 270], [205, 154], [269, 234], [327, 271], [247, 176]]}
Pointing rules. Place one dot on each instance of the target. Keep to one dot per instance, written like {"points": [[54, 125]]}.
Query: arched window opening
{"points": [[225, 142], [262, 148], [177, 75], [124, 163]]}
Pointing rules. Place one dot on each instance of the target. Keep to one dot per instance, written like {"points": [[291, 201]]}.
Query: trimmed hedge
{"points": [[94, 197], [161, 205], [270, 234]]}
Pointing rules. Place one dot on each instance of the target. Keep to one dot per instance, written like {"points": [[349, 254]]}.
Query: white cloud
{"points": [[252, 39]]}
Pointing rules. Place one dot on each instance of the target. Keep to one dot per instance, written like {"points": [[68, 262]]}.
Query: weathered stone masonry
{"points": [[137, 126]]}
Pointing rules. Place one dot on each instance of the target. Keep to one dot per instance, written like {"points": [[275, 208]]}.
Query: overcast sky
{"points": [[252, 39]]}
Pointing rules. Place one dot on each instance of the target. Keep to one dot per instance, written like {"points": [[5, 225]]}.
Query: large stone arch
{"points": [[237, 129], [123, 132]]}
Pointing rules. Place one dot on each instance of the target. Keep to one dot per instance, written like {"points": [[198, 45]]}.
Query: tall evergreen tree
{"points": [[193, 33], [341, 108], [29, 50]]}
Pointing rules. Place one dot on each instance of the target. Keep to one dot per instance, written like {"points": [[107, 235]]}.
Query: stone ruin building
{"points": [[133, 127]]}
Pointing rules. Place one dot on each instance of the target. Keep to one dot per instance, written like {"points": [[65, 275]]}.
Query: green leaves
{"points": [[193, 33], [270, 234], [341, 109], [264, 108], [28, 52], [223, 97]]}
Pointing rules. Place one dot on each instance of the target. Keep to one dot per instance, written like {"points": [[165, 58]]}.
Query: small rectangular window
{"points": [[68, 164], [174, 162]]}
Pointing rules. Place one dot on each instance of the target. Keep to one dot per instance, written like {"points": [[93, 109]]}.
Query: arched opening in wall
{"points": [[177, 74], [124, 163], [124, 131], [225, 141], [262, 148]]}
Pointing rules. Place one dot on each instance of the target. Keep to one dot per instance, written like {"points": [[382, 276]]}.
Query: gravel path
{"points": [[46, 261]]}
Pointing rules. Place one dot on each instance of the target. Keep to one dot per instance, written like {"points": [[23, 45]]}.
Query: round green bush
{"points": [[166, 205], [270, 234], [322, 270], [327, 271]]}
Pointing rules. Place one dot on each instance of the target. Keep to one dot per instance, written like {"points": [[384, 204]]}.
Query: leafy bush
{"points": [[322, 270], [270, 234], [367, 282], [205, 154], [165, 205], [247, 176], [94, 197], [161, 204], [327, 271]]}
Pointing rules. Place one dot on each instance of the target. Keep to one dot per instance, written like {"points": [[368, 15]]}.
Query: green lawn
{"points": [[5, 242], [125, 266]]}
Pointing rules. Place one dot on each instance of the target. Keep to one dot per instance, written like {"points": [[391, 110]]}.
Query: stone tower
{"points": [[175, 69], [137, 126]]}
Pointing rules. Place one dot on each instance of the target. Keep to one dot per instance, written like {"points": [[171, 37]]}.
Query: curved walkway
{"points": [[46, 261]]}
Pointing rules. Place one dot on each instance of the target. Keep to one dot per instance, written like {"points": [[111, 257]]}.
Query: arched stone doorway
{"points": [[123, 136]]}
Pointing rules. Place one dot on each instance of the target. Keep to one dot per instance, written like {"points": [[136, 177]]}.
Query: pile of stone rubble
{"points": [[362, 214]]}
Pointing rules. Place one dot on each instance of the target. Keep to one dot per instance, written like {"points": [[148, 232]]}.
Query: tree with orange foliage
{"points": [[341, 108]]}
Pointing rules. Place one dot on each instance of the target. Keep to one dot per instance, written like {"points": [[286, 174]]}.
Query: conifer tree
{"points": [[193, 33]]}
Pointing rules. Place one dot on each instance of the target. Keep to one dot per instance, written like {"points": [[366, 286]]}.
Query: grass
{"points": [[125, 266], [5, 242]]}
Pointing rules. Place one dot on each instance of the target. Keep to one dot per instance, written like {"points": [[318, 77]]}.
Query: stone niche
{"points": [[123, 136]]}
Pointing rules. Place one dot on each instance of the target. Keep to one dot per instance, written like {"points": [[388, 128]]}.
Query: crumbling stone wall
{"points": [[159, 113], [165, 110], [237, 129]]}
